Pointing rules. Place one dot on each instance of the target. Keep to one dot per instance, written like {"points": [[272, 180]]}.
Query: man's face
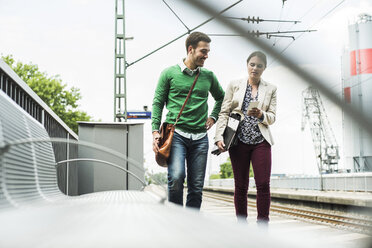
{"points": [[200, 53]]}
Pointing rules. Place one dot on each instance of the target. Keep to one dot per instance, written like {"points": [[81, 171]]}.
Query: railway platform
{"points": [[334, 219], [341, 198], [329, 228]]}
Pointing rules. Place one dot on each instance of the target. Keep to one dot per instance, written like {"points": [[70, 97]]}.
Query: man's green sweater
{"points": [[172, 90]]}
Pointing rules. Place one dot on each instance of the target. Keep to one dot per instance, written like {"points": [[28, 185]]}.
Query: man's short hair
{"points": [[194, 38]]}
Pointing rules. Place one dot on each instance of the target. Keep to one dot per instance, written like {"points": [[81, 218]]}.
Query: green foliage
{"points": [[52, 91], [251, 171], [226, 169], [157, 178], [215, 176], [227, 172]]}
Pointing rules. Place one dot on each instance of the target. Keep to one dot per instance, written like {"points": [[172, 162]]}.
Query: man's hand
{"points": [[209, 123], [221, 146], [255, 112], [155, 141]]}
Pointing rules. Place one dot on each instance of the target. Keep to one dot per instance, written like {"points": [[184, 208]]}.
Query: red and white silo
{"points": [[357, 91]]}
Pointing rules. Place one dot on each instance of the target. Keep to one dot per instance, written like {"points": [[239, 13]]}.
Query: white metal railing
{"points": [[361, 182], [13, 86]]}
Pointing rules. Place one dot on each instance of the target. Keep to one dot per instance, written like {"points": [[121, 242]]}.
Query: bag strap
{"points": [[188, 96]]}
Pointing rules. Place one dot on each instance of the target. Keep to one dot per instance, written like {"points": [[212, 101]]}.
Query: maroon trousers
{"points": [[241, 157]]}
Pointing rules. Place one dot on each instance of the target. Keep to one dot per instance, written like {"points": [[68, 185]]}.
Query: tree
{"points": [[52, 91], [227, 172], [226, 169], [156, 178], [214, 176]]}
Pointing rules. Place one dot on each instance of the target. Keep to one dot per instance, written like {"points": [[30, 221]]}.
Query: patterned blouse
{"points": [[248, 131]]}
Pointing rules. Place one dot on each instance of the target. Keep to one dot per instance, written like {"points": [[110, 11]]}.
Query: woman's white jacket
{"points": [[233, 101]]}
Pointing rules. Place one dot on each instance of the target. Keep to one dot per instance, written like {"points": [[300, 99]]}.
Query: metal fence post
{"points": [[67, 164]]}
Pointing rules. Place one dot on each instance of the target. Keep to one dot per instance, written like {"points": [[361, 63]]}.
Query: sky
{"points": [[75, 39]]}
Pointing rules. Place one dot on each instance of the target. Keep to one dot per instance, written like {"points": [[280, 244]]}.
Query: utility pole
{"points": [[120, 83], [121, 65]]}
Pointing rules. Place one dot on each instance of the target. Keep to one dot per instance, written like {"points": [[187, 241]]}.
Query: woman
{"points": [[254, 137]]}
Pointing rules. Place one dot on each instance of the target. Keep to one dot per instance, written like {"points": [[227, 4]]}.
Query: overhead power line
{"points": [[307, 12], [258, 20], [176, 15], [330, 11], [268, 35], [351, 111], [182, 35]]}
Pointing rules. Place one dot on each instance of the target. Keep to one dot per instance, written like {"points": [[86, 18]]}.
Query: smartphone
{"points": [[252, 105]]}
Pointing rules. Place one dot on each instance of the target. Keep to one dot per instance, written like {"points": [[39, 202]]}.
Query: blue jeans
{"points": [[195, 153]]}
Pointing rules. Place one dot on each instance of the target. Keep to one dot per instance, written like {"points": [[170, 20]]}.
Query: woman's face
{"points": [[255, 67]]}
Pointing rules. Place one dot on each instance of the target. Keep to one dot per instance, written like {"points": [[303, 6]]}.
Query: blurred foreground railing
{"points": [[25, 97]]}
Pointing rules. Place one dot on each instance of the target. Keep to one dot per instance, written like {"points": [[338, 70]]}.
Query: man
{"points": [[190, 140]]}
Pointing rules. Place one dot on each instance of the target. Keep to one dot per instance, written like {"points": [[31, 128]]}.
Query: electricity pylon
{"points": [[324, 141]]}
